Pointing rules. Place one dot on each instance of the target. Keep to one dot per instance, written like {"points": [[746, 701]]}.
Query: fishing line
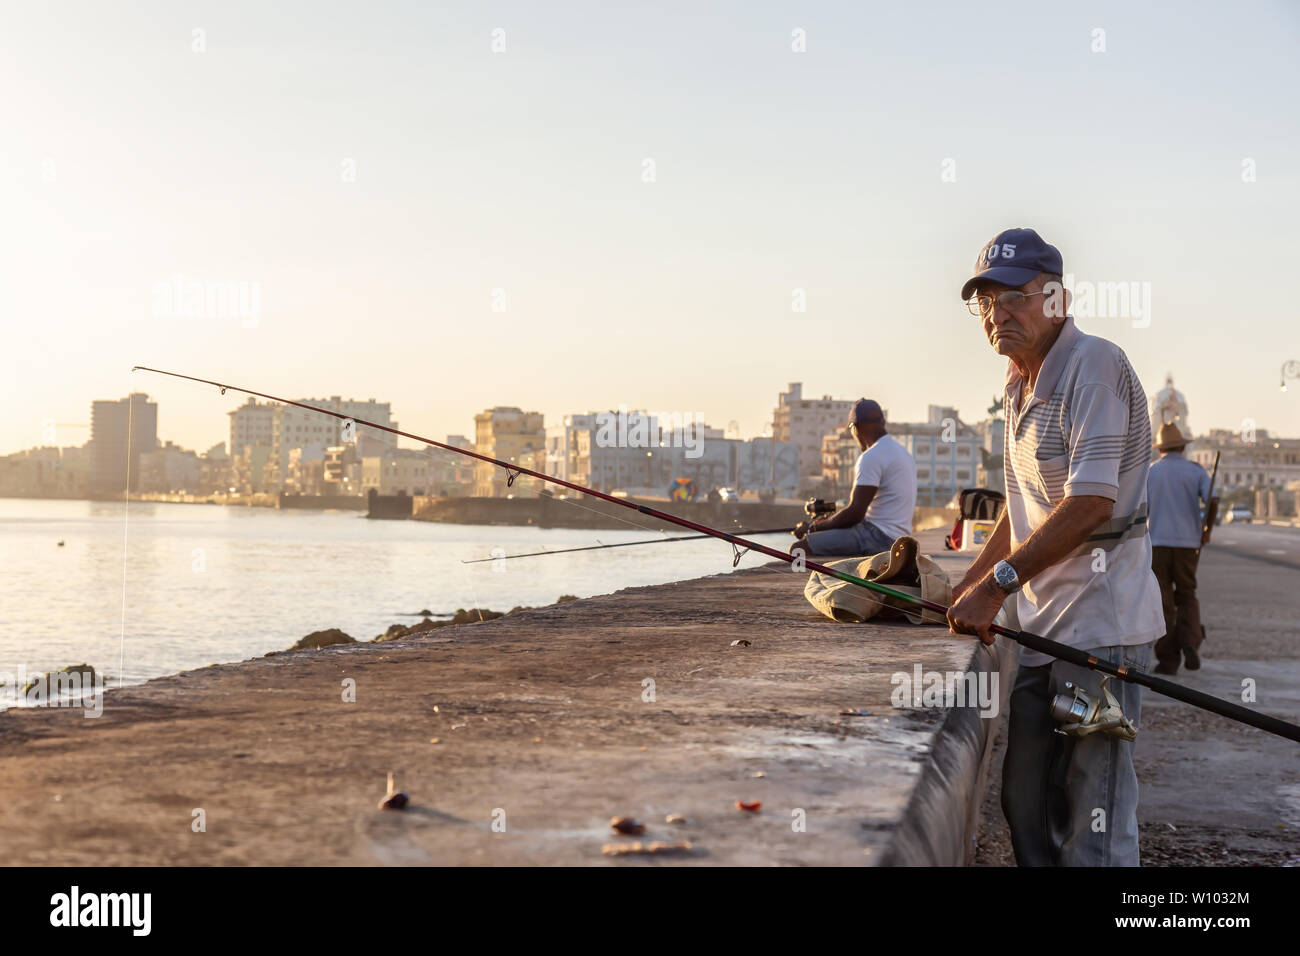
{"points": [[441, 458], [126, 519]]}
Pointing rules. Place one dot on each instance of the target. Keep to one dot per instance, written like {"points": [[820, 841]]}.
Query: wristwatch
{"points": [[1006, 577]]}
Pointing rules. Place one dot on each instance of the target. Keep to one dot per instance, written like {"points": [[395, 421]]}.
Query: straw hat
{"points": [[1170, 437]]}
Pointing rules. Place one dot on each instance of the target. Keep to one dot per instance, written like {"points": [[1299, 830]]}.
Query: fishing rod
{"points": [[740, 546], [1211, 503], [621, 544]]}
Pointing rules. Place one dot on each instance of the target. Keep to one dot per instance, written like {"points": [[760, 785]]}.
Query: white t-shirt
{"points": [[889, 467]]}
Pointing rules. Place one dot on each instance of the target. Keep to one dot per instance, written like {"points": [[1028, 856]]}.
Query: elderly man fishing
{"points": [[1070, 556], [884, 494]]}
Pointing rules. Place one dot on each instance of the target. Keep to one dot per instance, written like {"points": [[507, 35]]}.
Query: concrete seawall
{"points": [[942, 818], [590, 512], [517, 740], [544, 511]]}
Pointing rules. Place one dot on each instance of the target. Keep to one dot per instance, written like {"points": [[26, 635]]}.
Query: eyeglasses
{"points": [[1011, 300]]}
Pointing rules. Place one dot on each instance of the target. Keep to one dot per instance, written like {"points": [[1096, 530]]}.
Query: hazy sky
{"points": [[376, 171]]}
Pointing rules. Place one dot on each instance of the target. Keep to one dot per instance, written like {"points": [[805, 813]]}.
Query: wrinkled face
{"points": [[1028, 327]]}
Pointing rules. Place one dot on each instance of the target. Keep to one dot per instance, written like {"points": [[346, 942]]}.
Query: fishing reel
{"points": [[1082, 714], [816, 507]]}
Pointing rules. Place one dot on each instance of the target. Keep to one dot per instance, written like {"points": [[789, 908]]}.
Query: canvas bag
{"points": [[852, 604]]}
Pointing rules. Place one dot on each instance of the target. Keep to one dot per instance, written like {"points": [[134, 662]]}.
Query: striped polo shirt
{"points": [[1088, 434]]}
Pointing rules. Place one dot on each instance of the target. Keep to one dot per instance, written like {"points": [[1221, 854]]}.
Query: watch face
{"points": [[1005, 575]]}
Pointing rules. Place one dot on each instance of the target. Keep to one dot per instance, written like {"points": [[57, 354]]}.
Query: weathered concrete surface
{"points": [[543, 722]]}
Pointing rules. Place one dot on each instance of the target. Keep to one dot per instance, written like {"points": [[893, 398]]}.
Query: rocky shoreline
{"points": [[396, 632]]}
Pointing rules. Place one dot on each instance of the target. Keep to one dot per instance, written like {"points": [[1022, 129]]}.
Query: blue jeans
{"points": [[863, 538], [1071, 801]]}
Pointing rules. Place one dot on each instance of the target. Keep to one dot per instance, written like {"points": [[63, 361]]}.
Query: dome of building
{"points": [[1169, 405]]}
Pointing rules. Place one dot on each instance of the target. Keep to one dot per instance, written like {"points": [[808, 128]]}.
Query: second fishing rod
{"points": [[814, 508], [621, 544]]}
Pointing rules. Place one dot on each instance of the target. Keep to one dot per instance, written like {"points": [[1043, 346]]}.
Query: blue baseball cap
{"points": [[1013, 257], [865, 410]]}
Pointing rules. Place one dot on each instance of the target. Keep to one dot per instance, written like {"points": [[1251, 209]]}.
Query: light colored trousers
{"points": [[1071, 801]]}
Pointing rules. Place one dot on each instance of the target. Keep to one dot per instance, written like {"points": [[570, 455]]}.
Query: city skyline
{"points": [[71, 430]]}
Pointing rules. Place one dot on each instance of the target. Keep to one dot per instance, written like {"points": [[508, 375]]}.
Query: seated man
{"points": [[884, 494]]}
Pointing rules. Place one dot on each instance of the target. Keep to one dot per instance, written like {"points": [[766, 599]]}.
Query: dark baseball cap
{"points": [[1013, 257], [865, 410]]}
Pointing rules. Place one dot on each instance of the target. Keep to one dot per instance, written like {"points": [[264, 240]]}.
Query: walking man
{"points": [[884, 494], [1070, 551], [1176, 486]]}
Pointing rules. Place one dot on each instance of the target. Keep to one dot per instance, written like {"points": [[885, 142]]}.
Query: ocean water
{"points": [[141, 590]]}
